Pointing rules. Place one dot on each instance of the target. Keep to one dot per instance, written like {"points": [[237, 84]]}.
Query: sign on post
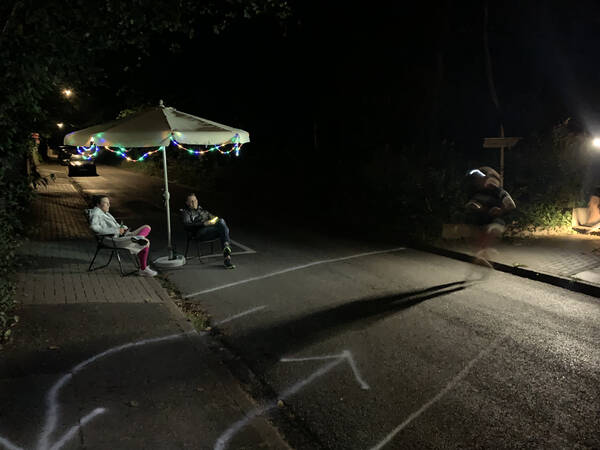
{"points": [[501, 143]]}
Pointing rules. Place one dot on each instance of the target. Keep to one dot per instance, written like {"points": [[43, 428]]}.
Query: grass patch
{"points": [[194, 314], [199, 318]]}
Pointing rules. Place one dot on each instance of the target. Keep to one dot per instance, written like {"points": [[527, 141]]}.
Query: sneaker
{"points": [[228, 264], [227, 251], [139, 240], [147, 272]]}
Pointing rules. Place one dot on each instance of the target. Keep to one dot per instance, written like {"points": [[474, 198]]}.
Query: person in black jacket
{"points": [[488, 202], [206, 226]]}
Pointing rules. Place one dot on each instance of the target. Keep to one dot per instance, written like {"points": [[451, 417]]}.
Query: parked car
{"points": [[63, 155], [79, 165]]}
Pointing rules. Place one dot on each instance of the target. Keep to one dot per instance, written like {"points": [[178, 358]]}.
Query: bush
{"points": [[533, 217], [15, 196]]}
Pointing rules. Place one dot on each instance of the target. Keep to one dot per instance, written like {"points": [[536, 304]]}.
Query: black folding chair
{"points": [[191, 237], [101, 245], [107, 242]]}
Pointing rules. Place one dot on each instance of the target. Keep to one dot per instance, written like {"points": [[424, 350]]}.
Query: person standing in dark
{"points": [[206, 226], [488, 203]]}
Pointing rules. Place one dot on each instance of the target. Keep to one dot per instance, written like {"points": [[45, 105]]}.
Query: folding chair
{"points": [[101, 244], [191, 237]]}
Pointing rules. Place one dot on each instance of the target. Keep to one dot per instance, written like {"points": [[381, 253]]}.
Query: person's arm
{"points": [[208, 218], [100, 225], [186, 218], [507, 202], [190, 222], [203, 216]]}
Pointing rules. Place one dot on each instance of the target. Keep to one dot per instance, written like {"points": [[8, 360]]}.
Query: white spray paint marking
{"points": [[243, 247], [53, 407], [8, 445], [462, 374], [291, 269], [242, 314], [346, 354], [228, 434], [246, 251], [224, 439], [69, 434]]}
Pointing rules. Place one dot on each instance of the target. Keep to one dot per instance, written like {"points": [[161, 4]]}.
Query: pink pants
{"points": [[144, 230]]}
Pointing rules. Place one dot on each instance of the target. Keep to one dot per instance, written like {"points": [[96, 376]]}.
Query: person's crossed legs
{"points": [[142, 231], [219, 230]]}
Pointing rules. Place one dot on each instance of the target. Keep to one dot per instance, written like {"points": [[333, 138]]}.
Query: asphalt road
{"points": [[383, 347]]}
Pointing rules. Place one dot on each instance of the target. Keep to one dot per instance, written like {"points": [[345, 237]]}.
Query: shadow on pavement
{"points": [[292, 335]]}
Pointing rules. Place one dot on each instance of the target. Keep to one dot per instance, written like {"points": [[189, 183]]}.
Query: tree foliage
{"points": [[47, 45]]}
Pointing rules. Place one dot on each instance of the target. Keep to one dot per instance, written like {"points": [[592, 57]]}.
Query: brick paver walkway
{"points": [[572, 256], [60, 250]]}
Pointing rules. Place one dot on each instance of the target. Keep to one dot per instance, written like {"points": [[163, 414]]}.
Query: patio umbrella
{"points": [[158, 127]]}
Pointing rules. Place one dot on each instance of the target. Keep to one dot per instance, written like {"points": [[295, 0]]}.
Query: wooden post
{"points": [[502, 157]]}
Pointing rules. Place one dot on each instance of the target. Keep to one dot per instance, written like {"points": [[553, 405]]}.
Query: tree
{"points": [[48, 45]]}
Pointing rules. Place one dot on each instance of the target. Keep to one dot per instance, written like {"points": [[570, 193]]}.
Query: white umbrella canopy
{"points": [[154, 127], [157, 127]]}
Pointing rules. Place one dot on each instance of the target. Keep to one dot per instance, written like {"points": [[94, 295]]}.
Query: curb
{"points": [[280, 428], [537, 275]]}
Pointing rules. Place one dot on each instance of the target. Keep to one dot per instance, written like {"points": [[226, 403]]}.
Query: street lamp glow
{"points": [[596, 142], [60, 124], [67, 92]]}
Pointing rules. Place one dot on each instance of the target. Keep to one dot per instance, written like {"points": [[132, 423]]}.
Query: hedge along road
{"points": [[448, 363]]}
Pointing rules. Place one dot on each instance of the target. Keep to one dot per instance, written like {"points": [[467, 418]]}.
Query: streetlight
{"points": [[596, 142], [60, 124], [67, 92]]}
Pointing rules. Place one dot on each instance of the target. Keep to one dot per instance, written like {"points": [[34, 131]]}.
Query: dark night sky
{"points": [[382, 73]]}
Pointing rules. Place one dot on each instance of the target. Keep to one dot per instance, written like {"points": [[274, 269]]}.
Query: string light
{"points": [[123, 152], [235, 140], [87, 150]]}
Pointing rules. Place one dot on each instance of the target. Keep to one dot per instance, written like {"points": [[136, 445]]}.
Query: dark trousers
{"points": [[218, 230]]}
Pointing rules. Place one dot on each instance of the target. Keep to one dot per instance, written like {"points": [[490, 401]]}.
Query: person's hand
{"points": [[212, 221], [508, 203]]}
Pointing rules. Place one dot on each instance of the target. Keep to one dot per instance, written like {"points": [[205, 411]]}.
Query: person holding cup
{"points": [[136, 241]]}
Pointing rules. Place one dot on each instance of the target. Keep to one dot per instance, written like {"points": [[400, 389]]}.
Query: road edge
{"points": [[568, 283], [269, 430]]}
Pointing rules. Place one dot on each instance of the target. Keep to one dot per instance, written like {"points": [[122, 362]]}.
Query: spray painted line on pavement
{"points": [[242, 314], [53, 406], [459, 377], [346, 355], [291, 269], [246, 251]]}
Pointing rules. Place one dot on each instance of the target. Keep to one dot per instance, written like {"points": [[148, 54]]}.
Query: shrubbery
{"points": [[399, 191], [15, 197], [541, 216]]}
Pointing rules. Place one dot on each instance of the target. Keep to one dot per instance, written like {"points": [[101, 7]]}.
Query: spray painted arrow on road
{"points": [[336, 360], [344, 356]]}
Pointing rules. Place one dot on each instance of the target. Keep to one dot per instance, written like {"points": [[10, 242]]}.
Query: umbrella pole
{"points": [[167, 203], [171, 261]]}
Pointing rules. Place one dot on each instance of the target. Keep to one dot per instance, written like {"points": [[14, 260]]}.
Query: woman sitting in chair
{"points": [[102, 222]]}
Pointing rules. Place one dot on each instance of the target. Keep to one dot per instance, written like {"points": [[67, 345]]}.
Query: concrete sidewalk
{"points": [[101, 361], [568, 261]]}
